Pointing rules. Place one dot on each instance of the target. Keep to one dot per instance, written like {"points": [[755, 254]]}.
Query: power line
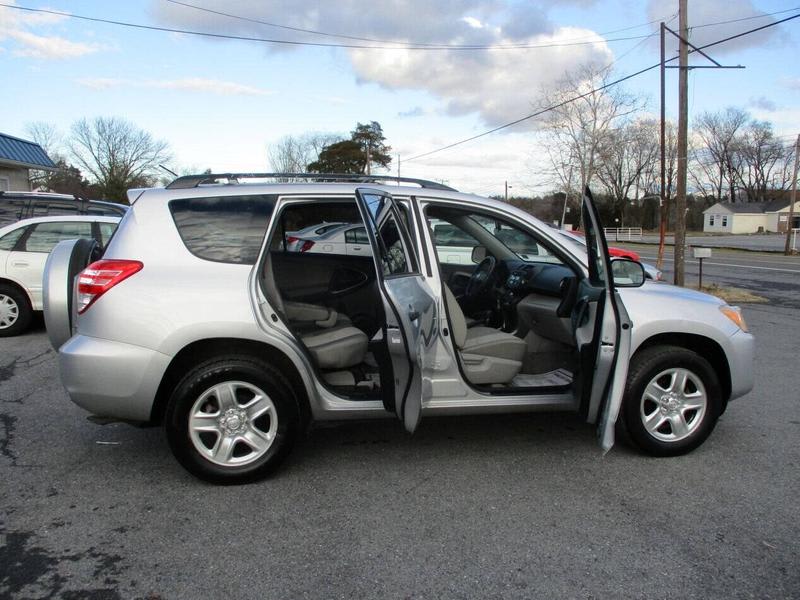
{"points": [[326, 44], [598, 89], [380, 41], [245, 38]]}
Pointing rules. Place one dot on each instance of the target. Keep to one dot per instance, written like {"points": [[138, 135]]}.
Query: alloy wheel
{"points": [[233, 423], [673, 405]]}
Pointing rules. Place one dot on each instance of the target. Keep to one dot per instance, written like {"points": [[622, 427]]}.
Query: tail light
{"points": [[307, 245], [291, 239], [99, 277]]}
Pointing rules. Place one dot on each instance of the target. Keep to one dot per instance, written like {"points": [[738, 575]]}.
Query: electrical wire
{"points": [[593, 91], [327, 44], [383, 41]]}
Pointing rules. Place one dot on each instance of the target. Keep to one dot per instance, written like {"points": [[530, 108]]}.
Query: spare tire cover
{"points": [[66, 260]]}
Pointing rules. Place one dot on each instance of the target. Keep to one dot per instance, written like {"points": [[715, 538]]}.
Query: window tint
{"points": [[45, 236], [8, 241], [50, 208], [356, 236], [102, 210], [106, 231], [11, 211], [395, 259], [224, 229]]}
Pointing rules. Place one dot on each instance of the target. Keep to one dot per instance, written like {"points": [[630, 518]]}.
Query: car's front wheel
{"points": [[15, 311], [672, 401], [232, 420]]}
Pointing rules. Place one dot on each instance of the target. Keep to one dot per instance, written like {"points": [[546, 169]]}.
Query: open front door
{"points": [[602, 333], [409, 303]]}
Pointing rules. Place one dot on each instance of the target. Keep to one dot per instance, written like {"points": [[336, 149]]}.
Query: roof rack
{"points": [[192, 181]]}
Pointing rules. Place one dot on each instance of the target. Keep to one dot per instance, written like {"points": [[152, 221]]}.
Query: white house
{"points": [[749, 217]]}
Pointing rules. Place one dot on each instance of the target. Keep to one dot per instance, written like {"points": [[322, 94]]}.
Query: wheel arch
{"points": [[200, 350], [19, 287], [702, 345]]}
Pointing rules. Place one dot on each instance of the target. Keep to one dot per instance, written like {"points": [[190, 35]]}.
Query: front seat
{"points": [[329, 337], [488, 355]]}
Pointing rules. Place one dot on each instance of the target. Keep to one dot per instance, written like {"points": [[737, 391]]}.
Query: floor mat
{"points": [[550, 379]]}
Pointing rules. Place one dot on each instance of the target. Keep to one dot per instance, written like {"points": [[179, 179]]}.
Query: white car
{"points": [[345, 238], [24, 247], [297, 240]]}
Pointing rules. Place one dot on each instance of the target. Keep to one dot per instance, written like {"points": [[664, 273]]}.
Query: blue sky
{"points": [[219, 103]]}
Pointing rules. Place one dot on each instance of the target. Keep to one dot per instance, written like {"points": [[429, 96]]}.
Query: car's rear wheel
{"points": [[672, 401], [15, 311], [232, 420]]}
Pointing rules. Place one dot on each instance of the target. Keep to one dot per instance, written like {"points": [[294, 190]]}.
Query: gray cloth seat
{"points": [[329, 336], [488, 355]]}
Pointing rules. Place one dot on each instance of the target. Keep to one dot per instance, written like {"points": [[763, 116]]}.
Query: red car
{"points": [[612, 250]]}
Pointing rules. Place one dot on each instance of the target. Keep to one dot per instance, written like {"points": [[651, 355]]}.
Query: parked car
{"points": [[198, 318], [344, 238], [650, 271], [24, 247], [15, 206], [296, 240]]}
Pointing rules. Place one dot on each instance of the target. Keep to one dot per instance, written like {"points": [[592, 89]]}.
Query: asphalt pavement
{"points": [[519, 506]]}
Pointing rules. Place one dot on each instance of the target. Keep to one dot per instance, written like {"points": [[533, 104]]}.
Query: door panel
{"points": [[602, 333], [411, 315]]}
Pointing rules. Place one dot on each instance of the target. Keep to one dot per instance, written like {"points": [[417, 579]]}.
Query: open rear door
{"points": [[602, 333], [409, 304]]}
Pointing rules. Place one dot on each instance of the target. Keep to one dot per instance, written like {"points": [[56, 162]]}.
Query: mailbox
{"points": [[702, 252]]}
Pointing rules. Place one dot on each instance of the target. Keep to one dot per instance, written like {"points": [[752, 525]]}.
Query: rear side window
{"points": [[11, 211], [49, 208], [106, 231], [223, 229], [45, 236], [9, 240]]}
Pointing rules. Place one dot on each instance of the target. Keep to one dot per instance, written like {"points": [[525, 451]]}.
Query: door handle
{"points": [[19, 263]]}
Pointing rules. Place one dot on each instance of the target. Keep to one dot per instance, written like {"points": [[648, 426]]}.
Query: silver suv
{"points": [[203, 317]]}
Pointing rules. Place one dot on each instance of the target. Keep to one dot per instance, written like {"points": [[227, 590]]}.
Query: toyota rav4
{"points": [[203, 316]]}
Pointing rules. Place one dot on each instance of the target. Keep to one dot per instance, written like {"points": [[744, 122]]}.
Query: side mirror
{"points": [[478, 254], [627, 273]]}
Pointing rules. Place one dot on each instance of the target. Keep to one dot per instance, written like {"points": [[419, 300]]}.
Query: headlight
{"points": [[734, 313]]}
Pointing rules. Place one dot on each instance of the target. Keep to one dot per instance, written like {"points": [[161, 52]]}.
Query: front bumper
{"points": [[741, 360], [111, 379]]}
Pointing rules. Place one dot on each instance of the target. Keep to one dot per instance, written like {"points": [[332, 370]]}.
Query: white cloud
{"points": [[716, 11], [189, 84], [499, 85], [49, 47], [15, 26]]}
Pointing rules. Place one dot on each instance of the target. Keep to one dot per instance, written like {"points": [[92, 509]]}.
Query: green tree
{"points": [[341, 157], [365, 149]]}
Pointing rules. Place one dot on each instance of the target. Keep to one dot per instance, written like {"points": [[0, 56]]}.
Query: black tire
{"points": [[231, 369], [645, 366], [15, 299]]}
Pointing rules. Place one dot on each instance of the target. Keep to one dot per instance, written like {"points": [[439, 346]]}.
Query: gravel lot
{"points": [[512, 506]]}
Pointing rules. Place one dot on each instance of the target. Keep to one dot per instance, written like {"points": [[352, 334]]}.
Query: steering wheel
{"points": [[481, 279]]}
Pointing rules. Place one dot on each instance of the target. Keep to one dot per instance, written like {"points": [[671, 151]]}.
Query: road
{"points": [[773, 276], [504, 507], [766, 242]]}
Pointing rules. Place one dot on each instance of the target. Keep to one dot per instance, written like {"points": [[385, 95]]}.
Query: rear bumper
{"points": [[741, 360], [111, 379]]}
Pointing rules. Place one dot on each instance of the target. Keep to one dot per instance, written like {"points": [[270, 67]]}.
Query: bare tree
{"points": [[579, 127], [292, 154], [762, 159], [716, 162], [50, 139], [626, 154], [116, 154]]}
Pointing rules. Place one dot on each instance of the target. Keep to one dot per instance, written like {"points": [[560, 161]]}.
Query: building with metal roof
{"points": [[17, 158]]}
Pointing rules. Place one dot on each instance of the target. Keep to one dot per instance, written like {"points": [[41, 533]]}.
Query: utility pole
{"points": [[788, 248], [683, 135], [662, 202], [398, 168], [506, 190]]}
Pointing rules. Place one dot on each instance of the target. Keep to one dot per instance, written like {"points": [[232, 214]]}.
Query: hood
{"points": [[673, 292]]}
